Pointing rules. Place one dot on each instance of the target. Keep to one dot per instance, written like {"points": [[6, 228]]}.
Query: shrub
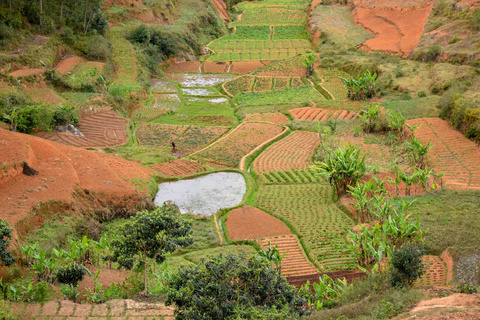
{"points": [[433, 53], [475, 19], [140, 35], [5, 235], [407, 265], [65, 114], [99, 48], [362, 88], [71, 274], [215, 287], [370, 117]]}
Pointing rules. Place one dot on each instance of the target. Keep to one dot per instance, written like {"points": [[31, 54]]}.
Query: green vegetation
{"points": [[6, 256], [288, 95]]}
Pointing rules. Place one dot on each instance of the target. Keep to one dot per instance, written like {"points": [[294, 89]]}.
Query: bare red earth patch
{"points": [[67, 65], [246, 67], [186, 66], [26, 72], [269, 117], [250, 223], [321, 114], [215, 67], [177, 168]]}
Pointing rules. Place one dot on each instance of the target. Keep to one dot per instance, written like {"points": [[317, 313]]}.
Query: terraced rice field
{"points": [[291, 153], [310, 210], [295, 262], [321, 114], [270, 117], [177, 168], [187, 138], [100, 130], [229, 150], [452, 153]]}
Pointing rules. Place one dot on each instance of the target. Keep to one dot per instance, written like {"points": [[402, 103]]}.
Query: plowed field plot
{"points": [[177, 168], [310, 210], [250, 223], [435, 273], [186, 66], [260, 14], [452, 153], [198, 137], [321, 114], [161, 135], [247, 66], [292, 67], [267, 117], [148, 113], [338, 24], [198, 79], [101, 130], [215, 67], [291, 153], [295, 262], [230, 149]]}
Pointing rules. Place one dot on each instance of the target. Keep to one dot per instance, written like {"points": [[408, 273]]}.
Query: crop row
{"points": [[255, 56], [292, 66], [291, 153], [237, 45], [266, 117], [230, 149], [290, 177], [154, 134], [262, 15], [310, 210], [147, 113], [289, 95]]}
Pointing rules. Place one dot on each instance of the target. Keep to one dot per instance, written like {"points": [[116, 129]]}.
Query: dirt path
{"points": [[114, 309]]}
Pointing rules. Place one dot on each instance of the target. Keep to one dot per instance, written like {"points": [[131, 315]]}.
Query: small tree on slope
{"points": [[148, 237], [5, 235]]}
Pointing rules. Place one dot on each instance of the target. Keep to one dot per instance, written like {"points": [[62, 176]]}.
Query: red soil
{"points": [[101, 130], [106, 277], [222, 9], [321, 114], [215, 67], [67, 65], [62, 170], [177, 168], [96, 64], [124, 3], [396, 30], [247, 66], [45, 95], [290, 153], [452, 153], [26, 72], [457, 300], [435, 273], [186, 66], [250, 223], [295, 262], [267, 117]]}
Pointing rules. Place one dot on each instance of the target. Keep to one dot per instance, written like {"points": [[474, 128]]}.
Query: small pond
{"points": [[204, 195], [199, 79]]}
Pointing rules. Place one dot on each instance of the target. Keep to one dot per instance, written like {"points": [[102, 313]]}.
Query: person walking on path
{"points": [[173, 146]]}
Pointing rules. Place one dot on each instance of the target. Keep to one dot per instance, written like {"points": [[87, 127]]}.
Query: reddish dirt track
{"points": [[222, 9], [215, 67], [186, 66], [250, 223], [395, 30], [62, 169], [290, 153], [295, 262], [321, 114], [26, 72], [100, 130], [177, 168], [247, 66], [113, 309], [267, 117], [451, 152], [67, 65]]}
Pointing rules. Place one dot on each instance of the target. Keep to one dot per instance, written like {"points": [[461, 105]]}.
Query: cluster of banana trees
{"points": [[362, 88]]}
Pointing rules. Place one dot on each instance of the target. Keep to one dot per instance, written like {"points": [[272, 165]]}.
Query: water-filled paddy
{"points": [[204, 195], [198, 79], [162, 86]]}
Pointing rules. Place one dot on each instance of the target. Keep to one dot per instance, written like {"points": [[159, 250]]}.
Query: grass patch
{"points": [[249, 33], [415, 108]]}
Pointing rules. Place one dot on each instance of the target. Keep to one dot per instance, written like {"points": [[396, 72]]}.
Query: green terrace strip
{"points": [[260, 14], [289, 95], [332, 82], [290, 32], [250, 83], [249, 33], [309, 209]]}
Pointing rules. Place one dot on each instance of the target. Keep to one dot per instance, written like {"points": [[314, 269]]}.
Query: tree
{"points": [[148, 237], [309, 63], [343, 167], [407, 265], [5, 235], [216, 286]]}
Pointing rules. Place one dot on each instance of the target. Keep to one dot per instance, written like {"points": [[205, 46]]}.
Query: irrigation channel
{"points": [[204, 195]]}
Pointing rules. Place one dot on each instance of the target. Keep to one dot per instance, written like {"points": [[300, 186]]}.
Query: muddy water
{"points": [[204, 195], [200, 92], [199, 80]]}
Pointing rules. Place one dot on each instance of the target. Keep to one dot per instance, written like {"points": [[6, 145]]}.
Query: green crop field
{"points": [[290, 177], [290, 32], [289, 95], [249, 33], [261, 14], [310, 210]]}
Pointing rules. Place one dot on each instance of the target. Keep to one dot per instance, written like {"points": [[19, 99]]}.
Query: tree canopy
{"points": [[5, 235]]}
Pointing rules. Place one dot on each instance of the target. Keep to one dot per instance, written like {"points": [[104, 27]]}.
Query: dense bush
{"points": [[99, 48], [463, 114], [407, 265], [71, 274], [361, 88], [475, 19], [216, 287], [5, 235]]}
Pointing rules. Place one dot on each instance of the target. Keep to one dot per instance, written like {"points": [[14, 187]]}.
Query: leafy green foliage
{"points": [[71, 274], [215, 287], [407, 265], [149, 236], [475, 19], [5, 235], [273, 255], [362, 88], [343, 167], [418, 152], [370, 117]]}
